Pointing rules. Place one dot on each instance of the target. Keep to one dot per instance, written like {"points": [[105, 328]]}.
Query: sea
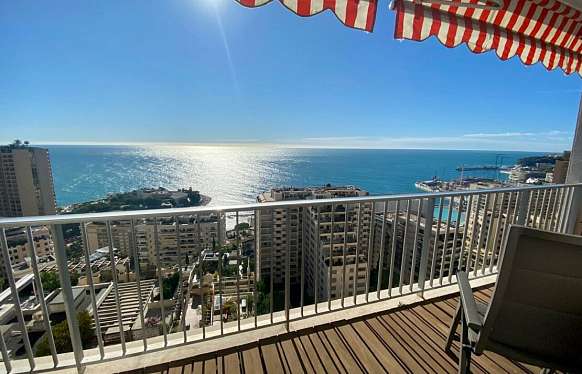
{"points": [[235, 174]]}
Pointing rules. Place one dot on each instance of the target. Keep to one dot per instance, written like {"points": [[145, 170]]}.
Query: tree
{"points": [[169, 285], [242, 226], [62, 338], [50, 280]]}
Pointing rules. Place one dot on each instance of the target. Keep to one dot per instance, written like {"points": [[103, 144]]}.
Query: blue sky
{"points": [[207, 71]]}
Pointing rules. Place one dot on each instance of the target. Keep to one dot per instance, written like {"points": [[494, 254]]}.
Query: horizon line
{"points": [[274, 145]]}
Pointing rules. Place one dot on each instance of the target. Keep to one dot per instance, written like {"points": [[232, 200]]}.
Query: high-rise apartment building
{"points": [[444, 247], [333, 241], [26, 181]]}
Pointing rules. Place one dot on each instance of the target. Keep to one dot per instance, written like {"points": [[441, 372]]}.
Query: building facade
{"points": [[194, 234], [326, 238], [26, 182]]}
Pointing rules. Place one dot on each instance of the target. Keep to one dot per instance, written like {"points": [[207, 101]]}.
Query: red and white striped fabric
{"points": [[545, 31], [359, 14]]}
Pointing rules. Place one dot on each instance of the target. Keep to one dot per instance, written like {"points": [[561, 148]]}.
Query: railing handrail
{"points": [[7, 222]]}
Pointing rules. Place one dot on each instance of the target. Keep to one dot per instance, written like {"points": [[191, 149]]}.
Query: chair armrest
{"points": [[474, 320]]}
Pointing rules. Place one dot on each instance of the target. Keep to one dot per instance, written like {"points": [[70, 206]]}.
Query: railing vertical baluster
{"points": [[5, 356], [67, 292], [330, 260], [317, 255], [271, 272], [344, 282], [89, 274], [436, 240], [382, 249], [529, 206], [466, 240], [550, 209], [556, 209], [536, 208], [370, 248], [238, 254], [357, 260], [446, 240], [415, 245], [302, 266], [287, 269], [16, 299], [482, 239], [543, 209], [515, 208], [40, 296], [455, 238], [257, 264], [201, 292], [488, 238], [393, 247], [220, 261], [498, 229], [424, 255], [160, 281], [405, 245], [474, 234], [115, 287], [181, 277]]}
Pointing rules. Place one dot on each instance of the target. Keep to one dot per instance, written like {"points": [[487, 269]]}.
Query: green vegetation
{"points": [[242, 226], [62, 338], [170, 284], [50, 280], [137, 200]]}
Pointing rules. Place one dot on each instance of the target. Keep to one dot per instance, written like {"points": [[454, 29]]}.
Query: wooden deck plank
{"points": [[271, 359], [230, 363], [360, 349], [252, 360], [198, 367], [210, 366], [334, 344], [308, 366], [429, 362], [407, 360], [383, 353], [424, 334], [319, 359], [289, 356]]}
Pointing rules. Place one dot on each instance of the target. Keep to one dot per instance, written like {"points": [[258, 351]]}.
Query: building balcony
{"points": [[277, 316]]}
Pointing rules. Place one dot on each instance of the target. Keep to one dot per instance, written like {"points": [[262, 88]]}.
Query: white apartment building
{"points": [[26, 182], [195, 234]]}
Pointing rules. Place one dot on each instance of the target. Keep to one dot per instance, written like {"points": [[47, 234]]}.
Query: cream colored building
{"points": [[19, 248], [302, 229], [195, 234], [409, 245], [26, 182]]}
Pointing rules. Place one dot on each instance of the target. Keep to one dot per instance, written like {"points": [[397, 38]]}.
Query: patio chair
{"points": [[535, 312]]}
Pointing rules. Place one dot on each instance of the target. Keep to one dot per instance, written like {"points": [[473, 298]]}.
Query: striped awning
{"points": [[359, 14], [546, 31]]}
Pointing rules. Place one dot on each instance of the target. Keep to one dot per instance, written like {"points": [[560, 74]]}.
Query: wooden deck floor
{"points": [[408, 340]]}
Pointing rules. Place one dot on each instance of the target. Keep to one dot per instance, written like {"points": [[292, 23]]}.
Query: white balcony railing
{"points": [[391, 246]]}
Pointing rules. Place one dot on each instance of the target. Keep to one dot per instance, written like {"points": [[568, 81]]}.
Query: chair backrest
{"points": [[535, 314]]}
